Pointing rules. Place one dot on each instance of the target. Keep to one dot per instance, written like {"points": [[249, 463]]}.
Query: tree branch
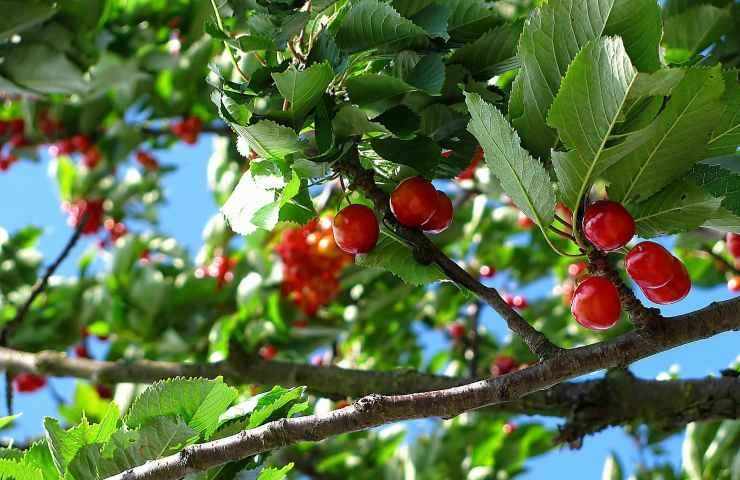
{"points": [[426, 251], [375, 410]]}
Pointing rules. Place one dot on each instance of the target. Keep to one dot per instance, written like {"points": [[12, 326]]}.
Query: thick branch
{"points": [[426, 251], [375, 410]]}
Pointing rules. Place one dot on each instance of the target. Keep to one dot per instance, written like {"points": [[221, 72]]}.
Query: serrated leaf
{"points": [[426, 157], [469, 19], [585, 112], [639, 24], [269, 139], [433, 19], [550, 40], [692, 30], [522, 177], [15, 470], [680, 207], [272, 473], [271, 402], [303, 89], [396, 258], [720, 183], [490, 50], [198, 402], [724, 220], [8, 420], [672, 143], [428, 74], [373, 24], [409, 8], [39, 457], [726, 134], [249, 43]]}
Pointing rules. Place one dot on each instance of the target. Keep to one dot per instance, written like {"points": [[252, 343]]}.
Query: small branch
{"points": [[427, 251], [375, 410], [722, 260]]}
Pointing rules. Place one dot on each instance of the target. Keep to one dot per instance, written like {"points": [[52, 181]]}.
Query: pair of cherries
{"points": [[662, 277], [415, 203]]}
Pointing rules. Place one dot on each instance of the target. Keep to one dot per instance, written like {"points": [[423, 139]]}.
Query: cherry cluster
{"points": [[662, 277], [312, 263], [221, 268], [82, 144], [187, 129], [12, 132]]}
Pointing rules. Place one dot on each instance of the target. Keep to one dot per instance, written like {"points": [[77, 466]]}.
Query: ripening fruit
{"points": [[674, 290], [104, 391], [81, 351], [487, 271], [268, 352], [28, 382], [442, 217], [650, 265], [734, 284], [356, 229], [596, 303], [608, 225], [414, 201], [456, 330], [503, 364], [733, 244]]}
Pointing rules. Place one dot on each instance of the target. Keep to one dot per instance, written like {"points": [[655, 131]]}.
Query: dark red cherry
{"points": [[650, 265], [596, 303], [675, 290], [356, 229], [414, 201], [442, 217], [608, 225]]}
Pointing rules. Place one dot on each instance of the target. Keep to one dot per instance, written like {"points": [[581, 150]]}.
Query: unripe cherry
{"points": [[673, 291], [414, 202], [596, 303], [733, 244], [442, 217], [650, 265], [356, 229], [608, 225]]}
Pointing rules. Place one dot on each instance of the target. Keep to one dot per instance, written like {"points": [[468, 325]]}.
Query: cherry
{"points": [[673, 291], [650, 265], [4, 126], [81, 351], [92, 208], [104, 391], [91, 157], [608, 225], [356, 229], [116, 229], [576, 269], [515, 301], [596, 303], [487, 271], [81, 142], [62, 147], [414, 201], [442, 217], [6, 161], [733, 244], [147, 160], [503, 364], [734, 284], [524, 221], [456, 330], [28, 382], [187, 129], [509, 428], [17, 126], [469, 172], [268, 352]]}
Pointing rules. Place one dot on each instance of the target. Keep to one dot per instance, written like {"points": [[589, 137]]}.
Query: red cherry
{"points": [[4, 126], [650, 265], [734, 284], [356, 229], [519, 302], [596, 303], [17, 126], [524, 221], [456, 330], [62, 147], [18, 140], [469, 172], [733, 244], [575, 269], [28, 382], [81, 351], [503, 364], [487, 271], [442, 217], [268, 352], [104, 391], [116, 229], [147, 160], [94, 211], [608, 225], [509, 428], [414, 201], [91, 157], [81, 142], [564, 212], [673, 291]]}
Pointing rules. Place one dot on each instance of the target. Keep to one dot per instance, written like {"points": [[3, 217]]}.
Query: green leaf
{"points": [[720, 183], [692, 30], [41, 68], [198, 402], [7, 421], [269, 139], [640, 26], [552, 36], [373, 24], [21, 15], [469, 19], [376, 92], [271, 402], [426, 157], [672, 143], [726, 134], [396, 258], [14, 470], [39, 457], [679, 207], [522, 177], [303, 89], [585, 111], [409, 8], [489, 51], [659, 83], [433, 19], [249, 43], [724, 220], [272, 473], [428, 74], [350, 121]]}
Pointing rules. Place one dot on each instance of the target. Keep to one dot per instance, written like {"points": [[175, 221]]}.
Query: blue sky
{"points": [[29, 196]]}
